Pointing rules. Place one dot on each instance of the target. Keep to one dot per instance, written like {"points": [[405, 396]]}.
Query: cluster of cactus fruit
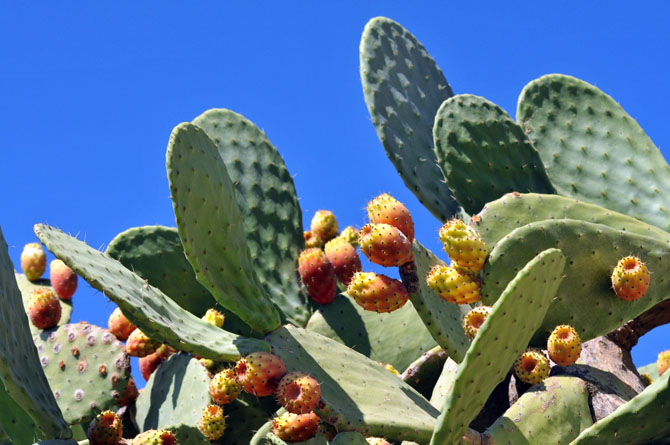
{"points": [[251, 330]]}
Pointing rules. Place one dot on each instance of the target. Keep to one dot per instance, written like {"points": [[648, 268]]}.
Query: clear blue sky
{"points": [[89, 93]]}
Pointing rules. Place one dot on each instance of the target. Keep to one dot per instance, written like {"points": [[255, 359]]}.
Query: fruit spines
{"points": [[388, 210], [259, 373], [105, 429], [318, 275], [63, 279], [292, 427], [377, 292], [464, 245], [564, 345], [532, 366], [454, 284], [344, 258], [630, 278], [298, 392], [224, 387], [44, 309], [33, 261], [213, 423], [474, 319], [385, 245]]}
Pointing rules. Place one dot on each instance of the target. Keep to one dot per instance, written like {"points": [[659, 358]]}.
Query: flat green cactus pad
{"points": [[396, 337], [188, 434], [354, 388], [651, 369], [644, 419], [211, 227], [423, 373], [500, 340], [593, 150], [443, 320], [15, 422], [552, 412], [445, 384], [27, 288], [403, 88], [502, 216], [484, 153], [243, 418], [349, 438], [155, 253], [20, 369], [176, 393], [146, 306], [87, 368], [266, 195], [585, 299]]}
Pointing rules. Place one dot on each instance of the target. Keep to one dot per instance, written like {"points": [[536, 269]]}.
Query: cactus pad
{"points": [[211, 227], [593, 150], [502, 338], [87, 368], [353, 387], [403, 88], [146, 306], [266, 195], [484, 153], [349, 438], [28, 287], [15, 421]]}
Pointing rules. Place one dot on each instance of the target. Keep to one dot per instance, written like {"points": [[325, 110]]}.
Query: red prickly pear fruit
{"points": [[324, 225], [342, 255], [140, 345], [224, 387], [63, 279], [385, 245], [377, 293], [385, 209], [291, 427], [630, 278], [119, 325], [155, 437], [474, 319], [350, 234], [33, 261], [311, 240], [259, 373], [214, 317], [105, 429], [213, 423], [532, 366], [129, 395], [298, 392], [149, 363], [663, 362], [454, 284], [44, 309], [464, 245], [564, 345], [318, 275]]}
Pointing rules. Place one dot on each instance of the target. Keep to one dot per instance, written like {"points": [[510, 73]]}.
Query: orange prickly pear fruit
{"points": [[119, 325], [324, 225], [44, 308], [140, 345], [259, 373], [630, 278], [311, 240], [663, 362], [105, 429], [388, 210], [344, 258], [385, 245], [318, 275], [464, 245], [564, 345], [454, 284], [350, 234], [298, 392], [376, 292], [224, 387], [33, 261], [474, 319], [291, 427], [532, 367]]}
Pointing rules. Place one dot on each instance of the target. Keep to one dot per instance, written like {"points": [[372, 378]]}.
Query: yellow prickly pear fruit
{"points": [[454, 284], [532, 367], [385, 209], [474, 319], [224, 387], [33, 261], [350, 234], [214, 317], [376, 292], [663, 362], [311, 240], [630, 278], [564, 345], [212, 423], [385, 245], [464, 245], [324, 225]]}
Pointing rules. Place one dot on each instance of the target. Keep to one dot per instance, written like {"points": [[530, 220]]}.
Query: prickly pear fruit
{"points": [[155, 437], [119, 325], [291, 427], [385, 209], [350, 234], [532, 366], [140, 345], [377, 441], [298, 392], [389, 367], [259, 373], [224, 387], [385, 245], [564, 345], [63, 279], [663, 362], [342, 255], [376, 292], [213, 423], [318, 275], [474, 319], [311, 240], [324, 225], [33, 261], [454, 284], [44, 308], [129, 394], [630, 278], [214, 317], [464, 245], [105, 429], [150, 362]]}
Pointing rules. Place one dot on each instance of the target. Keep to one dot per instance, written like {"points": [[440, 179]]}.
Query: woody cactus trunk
{"points": [[558, 196]]}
